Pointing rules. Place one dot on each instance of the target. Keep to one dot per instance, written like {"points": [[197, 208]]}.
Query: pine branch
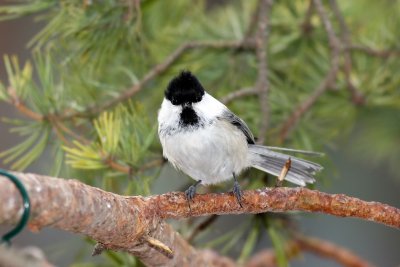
{"points": [[356, 96], [327, 82], [158, 70], [136, 224], [262, 85]]}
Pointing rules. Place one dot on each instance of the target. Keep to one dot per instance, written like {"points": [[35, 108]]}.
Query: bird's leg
{"points": [[191, 191], [236, 191], [284, 172]]}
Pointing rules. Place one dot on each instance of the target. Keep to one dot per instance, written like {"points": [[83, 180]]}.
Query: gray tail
{"points": [[301, 171]]}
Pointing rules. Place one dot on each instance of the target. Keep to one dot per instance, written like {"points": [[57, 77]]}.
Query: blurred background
{"points": [[362, 143]]}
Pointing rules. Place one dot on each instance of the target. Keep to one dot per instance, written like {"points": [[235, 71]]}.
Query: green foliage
{"points": [[18, 79], [25, 153], [25, 8], [88, 52], [278, 243], [123, 134], [249, 244]]}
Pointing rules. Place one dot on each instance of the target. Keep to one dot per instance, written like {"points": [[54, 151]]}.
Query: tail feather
{"points": [[301, 171]]}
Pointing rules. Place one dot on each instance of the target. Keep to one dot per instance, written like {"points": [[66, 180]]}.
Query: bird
{"points": [[201, 137]]}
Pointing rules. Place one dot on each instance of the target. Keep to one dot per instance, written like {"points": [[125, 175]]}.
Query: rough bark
{"points": [[135, 224]]}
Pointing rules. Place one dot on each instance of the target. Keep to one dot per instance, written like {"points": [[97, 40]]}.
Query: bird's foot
{"points": [[238, 193], [191, 192]]}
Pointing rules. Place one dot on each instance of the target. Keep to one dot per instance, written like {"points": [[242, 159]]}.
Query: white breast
{"points": [[211, 153]]}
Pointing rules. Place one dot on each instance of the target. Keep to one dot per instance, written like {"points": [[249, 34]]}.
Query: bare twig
{"points": [[325, 249], [239, 94], [327, 82], [356, 96], [262, 85]]}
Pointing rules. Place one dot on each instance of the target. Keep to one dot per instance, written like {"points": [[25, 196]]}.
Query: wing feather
{"points": [[239, 123]]}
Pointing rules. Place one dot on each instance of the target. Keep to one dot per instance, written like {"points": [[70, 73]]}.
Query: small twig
{"points": [[110, 161], [261, 52], [159, 246], [327, 82], [356, 96], [284, 172], [202, 226], [59, 124], [239, 94], [20, 105]]}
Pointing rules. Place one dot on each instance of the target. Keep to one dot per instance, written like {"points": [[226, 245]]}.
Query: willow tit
{"points": [[203, 138]]}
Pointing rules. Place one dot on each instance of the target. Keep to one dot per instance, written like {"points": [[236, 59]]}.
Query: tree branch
{"points": [[356, 96], [136, 224], [327, 82], [262, 84]]}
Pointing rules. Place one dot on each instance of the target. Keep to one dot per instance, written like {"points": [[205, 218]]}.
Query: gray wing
{"points": [[230, 117]]}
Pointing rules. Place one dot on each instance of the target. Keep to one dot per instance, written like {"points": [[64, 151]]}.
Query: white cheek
{"points": [[209, 107], [169, 114]]}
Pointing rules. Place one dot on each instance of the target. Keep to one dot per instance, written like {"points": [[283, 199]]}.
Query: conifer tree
{"points": [[300, 73]]}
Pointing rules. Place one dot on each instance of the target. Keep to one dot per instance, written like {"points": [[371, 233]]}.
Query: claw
{"points": [[238, 193], [191, 192]]}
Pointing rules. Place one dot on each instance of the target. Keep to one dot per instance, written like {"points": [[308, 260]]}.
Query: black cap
{"points": [[184, 89]]}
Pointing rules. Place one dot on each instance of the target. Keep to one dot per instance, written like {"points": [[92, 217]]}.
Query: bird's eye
{"points": [[174, 101]]}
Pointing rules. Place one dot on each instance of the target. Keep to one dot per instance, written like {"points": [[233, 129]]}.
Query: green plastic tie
{"points": [[26, 204]]}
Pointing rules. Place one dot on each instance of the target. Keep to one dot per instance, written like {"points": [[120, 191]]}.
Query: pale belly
{"points": [[209, 155]]}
